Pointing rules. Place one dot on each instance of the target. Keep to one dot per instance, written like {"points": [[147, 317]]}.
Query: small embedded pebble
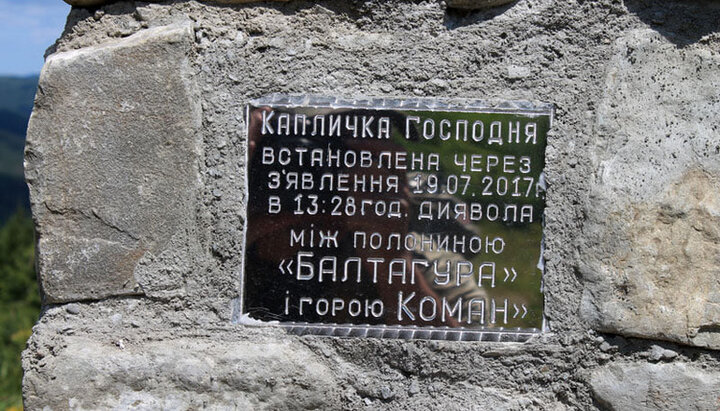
{"points": [[72, 309], [386, 393], [115, 319], [658, 353], [414, 388]]}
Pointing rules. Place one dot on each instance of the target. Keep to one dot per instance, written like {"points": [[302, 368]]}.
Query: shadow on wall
{"points": [[681, 22], [456, 17], [361, 13]]}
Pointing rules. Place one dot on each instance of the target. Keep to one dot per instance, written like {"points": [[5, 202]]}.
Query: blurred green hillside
{"points": [[16, 101], [19, 303], [19, 298]]}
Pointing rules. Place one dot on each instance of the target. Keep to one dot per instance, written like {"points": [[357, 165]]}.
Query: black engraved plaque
{"points": [[395, 218]]}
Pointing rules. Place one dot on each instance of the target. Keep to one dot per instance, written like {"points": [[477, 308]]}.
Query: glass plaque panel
{"points": [[395, 218]]}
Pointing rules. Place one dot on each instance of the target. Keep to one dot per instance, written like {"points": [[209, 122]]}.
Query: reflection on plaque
{"points": [[395, 218]]}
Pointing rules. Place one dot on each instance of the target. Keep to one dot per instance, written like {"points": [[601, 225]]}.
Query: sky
{"points": [[27, 29]]}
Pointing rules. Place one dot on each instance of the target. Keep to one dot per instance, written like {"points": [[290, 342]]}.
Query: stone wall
{"points": [[135, 161]]}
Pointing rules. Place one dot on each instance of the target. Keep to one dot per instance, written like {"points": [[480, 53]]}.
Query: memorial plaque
{"points": [[395, 218]]}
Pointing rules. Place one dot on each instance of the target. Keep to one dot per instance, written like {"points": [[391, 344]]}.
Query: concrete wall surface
{"points": [[135, 160]]}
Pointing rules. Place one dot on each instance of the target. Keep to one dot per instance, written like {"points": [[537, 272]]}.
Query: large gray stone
{"points": [[182, 374], [112, 163], [626, 386], [650, 258]]}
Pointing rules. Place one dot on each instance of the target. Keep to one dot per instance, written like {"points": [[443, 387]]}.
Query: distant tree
{"points": [[19, 303]]}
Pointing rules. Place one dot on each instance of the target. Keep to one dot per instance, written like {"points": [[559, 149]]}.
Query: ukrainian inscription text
{"points": [[366, 215]]}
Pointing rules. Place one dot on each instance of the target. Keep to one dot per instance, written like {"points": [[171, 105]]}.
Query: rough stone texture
{"points": [[116, 355], [623, 386], [175, 345], [112, 162], [651, 252]]}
